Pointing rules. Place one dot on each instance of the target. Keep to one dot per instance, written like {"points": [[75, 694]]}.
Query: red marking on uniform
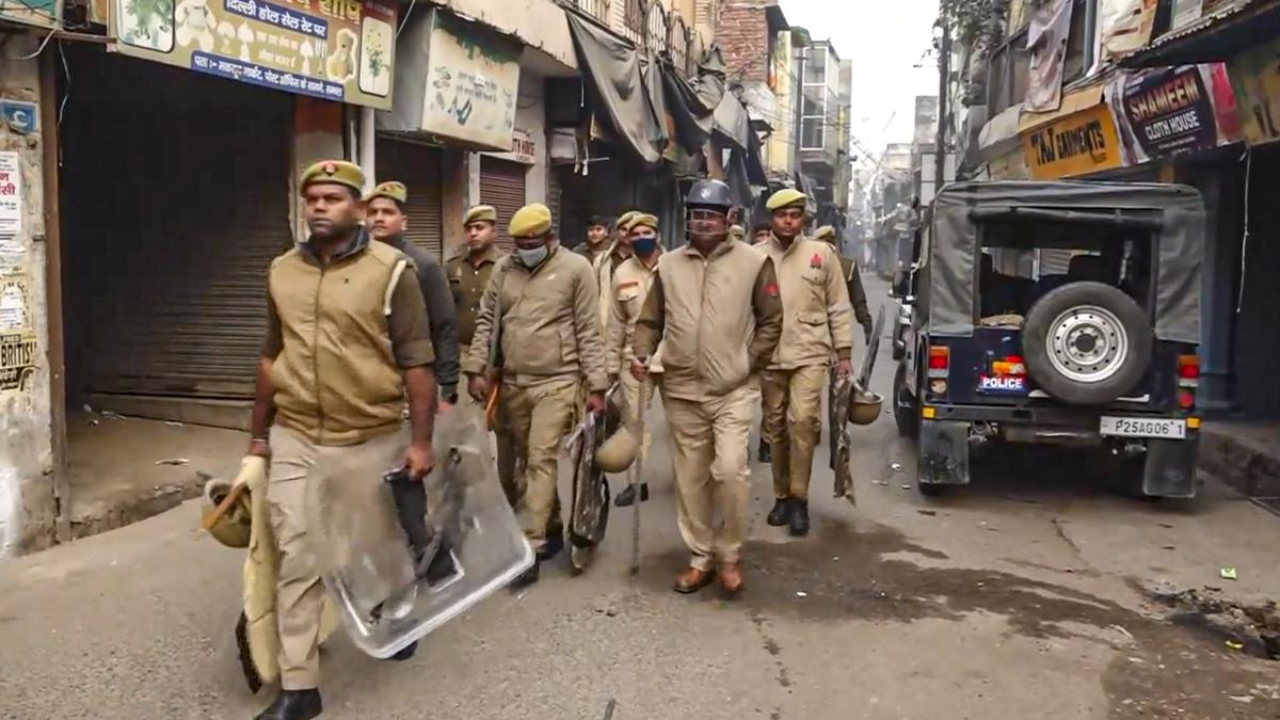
{"points": [[771, 289], [815, 261]]}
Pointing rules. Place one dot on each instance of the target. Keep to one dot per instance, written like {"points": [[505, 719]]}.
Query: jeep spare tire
{"points": [[1086, 343]]}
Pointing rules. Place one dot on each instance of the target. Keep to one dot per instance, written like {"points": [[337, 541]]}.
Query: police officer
{"points": [[627, 291], [331, 384], [542, 305], [384, 216], [714, 306], [469, 271], [819, 324], [853, 278], [597, 242]]}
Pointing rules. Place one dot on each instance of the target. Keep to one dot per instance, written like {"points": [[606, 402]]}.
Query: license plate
{"points": [[1145, 427]]}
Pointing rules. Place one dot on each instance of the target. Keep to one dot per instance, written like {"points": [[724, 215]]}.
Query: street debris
{"points": [[173, 423], [609, 708], [1251, 628], [881, 482], [1227, 573], [906, 487], [802, 594], [930, 513], [173, 461], [895, 466]]}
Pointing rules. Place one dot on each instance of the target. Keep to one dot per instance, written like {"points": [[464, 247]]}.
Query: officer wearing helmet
{"points": [[714, 306]]}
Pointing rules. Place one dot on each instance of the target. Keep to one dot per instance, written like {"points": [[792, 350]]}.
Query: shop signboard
{"points": [[1172, 110], [339, 50], [1081, 143], [473, 80], [38, 13], [1255, 75]]}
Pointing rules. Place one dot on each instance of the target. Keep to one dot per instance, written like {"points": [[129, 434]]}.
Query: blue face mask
{"points": [[644, 245], [532, 257]]}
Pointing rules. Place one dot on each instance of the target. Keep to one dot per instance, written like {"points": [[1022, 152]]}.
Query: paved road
{"points": [[1021, 597]]}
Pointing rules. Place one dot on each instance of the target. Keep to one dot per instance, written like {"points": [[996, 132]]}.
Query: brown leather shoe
{"points": [[731, 578], [691, 580]]}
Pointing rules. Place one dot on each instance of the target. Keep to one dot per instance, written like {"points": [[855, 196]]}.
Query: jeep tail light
{"points": [[1189, 371], [939, 361], [1187, 400], [1011, 366]]}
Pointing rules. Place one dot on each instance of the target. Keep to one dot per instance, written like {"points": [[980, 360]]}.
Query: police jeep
{"points": [[1055, 313]]}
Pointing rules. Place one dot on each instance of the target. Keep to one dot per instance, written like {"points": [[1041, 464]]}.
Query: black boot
{"points": [[554, 546], [799, 518], [294, 705], [627, 497], [779, 514], [765, 455], [405, 653], [528, 577]]}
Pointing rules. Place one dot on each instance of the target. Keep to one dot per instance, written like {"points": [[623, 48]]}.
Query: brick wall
{"points": [[743, 35]]}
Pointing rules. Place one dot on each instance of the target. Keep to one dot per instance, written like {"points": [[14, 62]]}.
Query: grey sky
{"points": [[884, 40]]}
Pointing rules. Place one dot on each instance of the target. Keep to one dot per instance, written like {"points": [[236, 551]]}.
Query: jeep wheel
{"points": [[906, 413], [1086, 343]]}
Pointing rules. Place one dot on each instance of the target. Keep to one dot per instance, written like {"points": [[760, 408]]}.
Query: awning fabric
{"points": [[616, 90]]}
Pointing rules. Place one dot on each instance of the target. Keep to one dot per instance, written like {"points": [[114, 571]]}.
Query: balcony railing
{"points": [[598, 9], [648, 25]]}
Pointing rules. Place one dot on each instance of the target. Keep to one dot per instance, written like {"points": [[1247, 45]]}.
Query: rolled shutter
{"points": [[167, 254], [502, 186], [418, 167]]}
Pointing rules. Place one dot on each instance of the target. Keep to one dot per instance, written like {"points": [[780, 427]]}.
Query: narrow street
{"points": [[1031, 594]]}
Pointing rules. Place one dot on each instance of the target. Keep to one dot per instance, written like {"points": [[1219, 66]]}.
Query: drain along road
{"points": [[1033, 594]]}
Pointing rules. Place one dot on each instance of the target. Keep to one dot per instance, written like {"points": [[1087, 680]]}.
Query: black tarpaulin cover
{"points": [[616, 90], [692, 103]]}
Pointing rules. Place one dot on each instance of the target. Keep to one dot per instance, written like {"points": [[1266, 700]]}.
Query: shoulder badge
{"points": [[771, 289], [816, 260]]}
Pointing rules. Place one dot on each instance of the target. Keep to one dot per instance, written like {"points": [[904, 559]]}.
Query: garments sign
{"points": [[10, 194], [1078, 144], [340, 50], [473, 80], [1255, 75]]}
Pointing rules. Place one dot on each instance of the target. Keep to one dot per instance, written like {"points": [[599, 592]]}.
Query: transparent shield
{"points": [[401, 562]]}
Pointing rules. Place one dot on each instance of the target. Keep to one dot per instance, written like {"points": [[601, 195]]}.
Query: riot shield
{"points": [[403, 557], [589, 515]]}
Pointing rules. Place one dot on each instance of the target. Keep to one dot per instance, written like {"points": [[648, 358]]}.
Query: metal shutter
{"points": [[502, 186], [418, 167], [175, 212]]}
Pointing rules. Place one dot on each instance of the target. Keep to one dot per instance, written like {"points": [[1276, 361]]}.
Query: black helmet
{"points": [[710, 194]]}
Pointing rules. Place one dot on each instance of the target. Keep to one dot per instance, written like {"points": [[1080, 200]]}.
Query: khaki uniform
{"points": [[339, 336], [629, 287], [818, 325], [550, 342], [468, 279], [719, 319]]}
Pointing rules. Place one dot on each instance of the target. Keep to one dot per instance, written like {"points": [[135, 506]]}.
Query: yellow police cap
{"points": [[645, 219], [826, 232], [786, 197], [480, 213], [531, 221], [338, 172], [624, 221], [391, 190]]}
